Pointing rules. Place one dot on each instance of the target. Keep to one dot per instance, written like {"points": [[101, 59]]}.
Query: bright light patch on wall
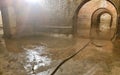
{"points": [[32, 1], [40, 2]]}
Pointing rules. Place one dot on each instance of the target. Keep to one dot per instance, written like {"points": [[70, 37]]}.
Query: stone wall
{"points": [[45, 16]]}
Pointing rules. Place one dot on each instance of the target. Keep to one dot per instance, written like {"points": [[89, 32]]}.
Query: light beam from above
{"points": [[39, 2], [32, 1]]}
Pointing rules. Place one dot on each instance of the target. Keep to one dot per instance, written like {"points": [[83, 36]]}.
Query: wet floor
{"points": [[40, 55]]}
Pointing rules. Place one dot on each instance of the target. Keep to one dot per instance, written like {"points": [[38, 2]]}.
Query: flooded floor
{"points": [[41, 55]]}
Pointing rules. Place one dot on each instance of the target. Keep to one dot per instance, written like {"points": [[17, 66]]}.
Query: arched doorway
{"points": [[102, 26], [85, 15], [105, 22]]}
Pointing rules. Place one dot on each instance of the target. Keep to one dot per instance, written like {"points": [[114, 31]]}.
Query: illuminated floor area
{"points": [[41, 55]]}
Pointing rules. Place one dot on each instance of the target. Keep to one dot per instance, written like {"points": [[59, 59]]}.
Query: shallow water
{"points": [[31, 55], [40, 56]]}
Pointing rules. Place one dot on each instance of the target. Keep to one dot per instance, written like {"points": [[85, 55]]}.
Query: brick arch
{"points": [[96, 16], [75, 17], [82, 18], [95, 26]]}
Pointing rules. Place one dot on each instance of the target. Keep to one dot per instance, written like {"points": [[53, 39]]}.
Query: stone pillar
{"points": [[12, 20], [6, 24]]}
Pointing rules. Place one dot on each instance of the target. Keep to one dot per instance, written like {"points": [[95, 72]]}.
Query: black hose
{"points": [[68, 58]]}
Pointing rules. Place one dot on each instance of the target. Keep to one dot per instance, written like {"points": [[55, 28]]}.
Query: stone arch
{"points": [[96, 15], [75, 17], [95, 26], [83, 15]]}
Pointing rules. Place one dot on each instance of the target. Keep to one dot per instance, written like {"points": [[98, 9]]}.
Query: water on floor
{"points": [[41, 55]]}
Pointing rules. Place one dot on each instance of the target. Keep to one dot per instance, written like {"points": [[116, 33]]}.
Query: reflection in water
{"points": [[31, 57], [34, 60], [36, 55]]}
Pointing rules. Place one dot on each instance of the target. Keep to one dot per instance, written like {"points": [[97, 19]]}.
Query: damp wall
{"points": [[45, 16]]}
